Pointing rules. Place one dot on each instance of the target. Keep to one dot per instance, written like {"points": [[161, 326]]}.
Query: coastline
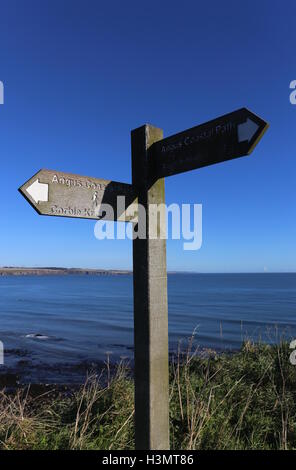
{"points": [[14, 271], [60, 271]]}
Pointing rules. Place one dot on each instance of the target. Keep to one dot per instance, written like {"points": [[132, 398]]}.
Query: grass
{"points": [[246, 400]]}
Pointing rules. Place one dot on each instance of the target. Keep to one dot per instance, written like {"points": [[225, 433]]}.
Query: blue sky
{"points": [[79, 75]]}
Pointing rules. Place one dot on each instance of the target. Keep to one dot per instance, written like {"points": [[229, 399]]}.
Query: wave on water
{"points": [[38, 336]]}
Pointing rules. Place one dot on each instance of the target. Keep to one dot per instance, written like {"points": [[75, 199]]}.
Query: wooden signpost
{"points": [[153, 158]]}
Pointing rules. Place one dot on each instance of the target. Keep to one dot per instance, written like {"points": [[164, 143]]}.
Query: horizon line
{"points": [[127, 270]]}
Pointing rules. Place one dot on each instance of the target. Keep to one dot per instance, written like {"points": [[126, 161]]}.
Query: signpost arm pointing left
{"points": [[64, 194]]}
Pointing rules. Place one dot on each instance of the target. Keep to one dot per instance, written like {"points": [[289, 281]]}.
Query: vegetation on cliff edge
{"points": [[245, 400]]}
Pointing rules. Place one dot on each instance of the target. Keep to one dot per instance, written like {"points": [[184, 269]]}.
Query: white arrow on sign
{"points": [[38, 191], [247, 130]]}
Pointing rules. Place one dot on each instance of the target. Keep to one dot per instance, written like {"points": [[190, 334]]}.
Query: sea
{"points": [[54, 329]]}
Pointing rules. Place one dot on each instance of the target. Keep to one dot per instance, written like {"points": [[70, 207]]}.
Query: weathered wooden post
{"points": [[150, 304]]}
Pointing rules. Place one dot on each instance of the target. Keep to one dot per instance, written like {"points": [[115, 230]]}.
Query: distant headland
{"points": [[15, 271]]}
